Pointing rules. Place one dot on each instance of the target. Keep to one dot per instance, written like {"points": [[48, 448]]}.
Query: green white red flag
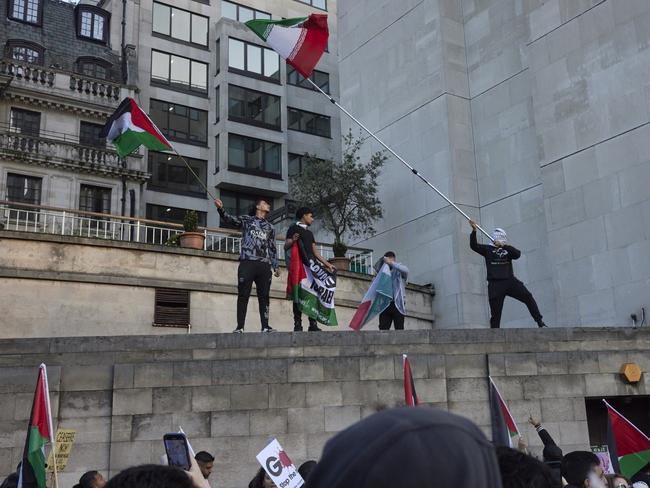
{"points": [[376, 300], [629, 448], [504, 428], [129, 128], [39, 431], [301, 40], [312, 288]]}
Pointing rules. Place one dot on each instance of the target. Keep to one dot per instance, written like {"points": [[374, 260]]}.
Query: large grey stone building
{"points": [[533, 116]]}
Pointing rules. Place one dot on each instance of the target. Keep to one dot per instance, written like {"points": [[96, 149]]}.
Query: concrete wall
{"points": [[532, 116], [59, 286], [231, 392]]}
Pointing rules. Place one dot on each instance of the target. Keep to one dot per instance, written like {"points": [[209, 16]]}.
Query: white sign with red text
{"points": [[279, 467]]}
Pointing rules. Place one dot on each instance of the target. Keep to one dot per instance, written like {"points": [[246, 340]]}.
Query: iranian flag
{"points": [[504, 428], [311, 287], [301, 40], [629, 448], [410, 397], [129, 128], [376, 300], [39, 431]]}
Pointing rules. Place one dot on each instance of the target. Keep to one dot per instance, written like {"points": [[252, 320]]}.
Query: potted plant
{"points": [[191, 238], [343, 194]]}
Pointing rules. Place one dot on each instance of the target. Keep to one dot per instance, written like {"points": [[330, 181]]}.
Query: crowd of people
{"points": [[407, 448]]}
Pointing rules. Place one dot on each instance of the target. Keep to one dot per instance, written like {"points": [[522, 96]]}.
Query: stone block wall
{"points": [[230, 393]]}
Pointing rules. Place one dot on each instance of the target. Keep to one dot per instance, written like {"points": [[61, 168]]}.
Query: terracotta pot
{"points": [[192, 240], [341, 264]]}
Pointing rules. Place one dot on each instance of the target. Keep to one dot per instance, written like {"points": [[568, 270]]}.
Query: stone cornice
{"points": [[41, 100]]}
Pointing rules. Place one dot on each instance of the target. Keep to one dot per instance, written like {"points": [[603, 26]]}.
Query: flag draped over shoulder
{"points": [[410, 396], [312, 288], [129, 128], [504, 427], [39, 431], [376, 300], [301, 40], [629, 448]]}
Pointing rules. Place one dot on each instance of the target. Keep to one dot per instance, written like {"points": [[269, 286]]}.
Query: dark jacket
{"points": [[552, 454], [257, 239], [498, 260]]}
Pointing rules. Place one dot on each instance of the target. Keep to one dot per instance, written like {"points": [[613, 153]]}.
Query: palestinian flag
{"points": [[312, 288], [410, 397], [629, 448], [301, 41], [129, 128], [376, 300], [39, 431], [503, 425]]}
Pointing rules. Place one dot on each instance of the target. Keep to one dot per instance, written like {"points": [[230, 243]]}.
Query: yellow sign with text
{"points": [[64, 441]]}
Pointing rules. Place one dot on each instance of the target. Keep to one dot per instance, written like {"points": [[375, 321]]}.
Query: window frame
{"points": [[176, 39], [253, 171], [173, 160], [253, 74], [180, 86], [94, 11], [203, 216], [18, 43], [104, 189], [25, 177], [25, 111], [311, 4], [96, 62], [303, 79], [166, 128], [100, 143], [239, 5], [39, 15], [329, 118], [224, 193], [247, 121]]}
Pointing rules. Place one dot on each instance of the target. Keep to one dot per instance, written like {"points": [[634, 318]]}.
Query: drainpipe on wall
{"points": [[125, 76]]}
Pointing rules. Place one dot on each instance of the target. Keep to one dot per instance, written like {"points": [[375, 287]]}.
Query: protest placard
{"points": [[279, 467], [64, 441]]}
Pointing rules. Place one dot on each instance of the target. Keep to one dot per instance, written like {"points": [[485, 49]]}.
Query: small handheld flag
{"points": [[629, 448], [410, 396], [301, 40], [129, 128], [504, 427]]}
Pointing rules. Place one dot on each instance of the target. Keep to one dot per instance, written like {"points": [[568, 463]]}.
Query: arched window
{"points": [[94, 67], [25, 51], [92, 23]]}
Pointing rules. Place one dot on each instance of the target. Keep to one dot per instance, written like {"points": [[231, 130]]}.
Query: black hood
{"points": [[408, 448]]}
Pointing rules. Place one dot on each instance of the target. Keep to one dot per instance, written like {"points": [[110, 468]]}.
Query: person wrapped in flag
{"points": [[299, 234], [395, 312]]}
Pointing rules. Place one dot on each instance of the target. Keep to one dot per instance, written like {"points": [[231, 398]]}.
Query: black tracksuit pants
{"points": [[297, 319], [391, 315], [498, 290], [250, 272]]}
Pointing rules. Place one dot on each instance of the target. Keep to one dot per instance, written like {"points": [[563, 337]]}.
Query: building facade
{"points": [[530, 115], [61, 76]]}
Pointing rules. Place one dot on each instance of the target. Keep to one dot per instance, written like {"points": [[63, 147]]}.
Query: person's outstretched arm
{"points": [[473, 242], [542, 432], [229, 219]]}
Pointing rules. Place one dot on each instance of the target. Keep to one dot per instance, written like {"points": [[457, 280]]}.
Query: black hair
{"points": [[389, 254], [303, 211], [253, 208], [258, 480], [306, 468], [87, 480], [10, 481], [519, 470], [204, 457], [151, 476], [576, 466]]}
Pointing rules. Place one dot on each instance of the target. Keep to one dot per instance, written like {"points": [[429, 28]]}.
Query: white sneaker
{"points": [[268, 329]]}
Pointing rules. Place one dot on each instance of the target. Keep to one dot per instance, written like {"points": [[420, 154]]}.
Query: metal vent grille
{"points": [[172, 308]]}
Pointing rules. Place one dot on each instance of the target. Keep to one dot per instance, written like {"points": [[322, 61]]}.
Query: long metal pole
{"points": [[413, 170], [195, 175]]}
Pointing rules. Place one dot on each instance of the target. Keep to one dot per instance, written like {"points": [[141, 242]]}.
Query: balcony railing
{"points": [[25, 217], [28, 76]]}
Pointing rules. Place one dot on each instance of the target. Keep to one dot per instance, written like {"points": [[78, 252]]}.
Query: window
{"points": [[238, 12], [321, 4], [297, 163], [180, 123], [25, 51], [30, 11], [238, 203], [170, 174], [253, 60], [321, 79], [94, 68], [180, 24], [309, 122], [179, 72], [95, 199], [24, 189], [174, 215], [172, 308], [92, 23], [25, 122], [89, 135], [249, 155], [217, 98], [217, 158], [253, 107]]}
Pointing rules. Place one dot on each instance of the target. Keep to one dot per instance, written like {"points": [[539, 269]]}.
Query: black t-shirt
{"points": [[306, 238]]}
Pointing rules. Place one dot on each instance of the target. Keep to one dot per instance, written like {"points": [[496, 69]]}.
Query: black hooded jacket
{"points": [[408, 448]]}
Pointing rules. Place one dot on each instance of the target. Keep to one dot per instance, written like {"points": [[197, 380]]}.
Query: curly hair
{"points": [[151, 476], [519, 470]]}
